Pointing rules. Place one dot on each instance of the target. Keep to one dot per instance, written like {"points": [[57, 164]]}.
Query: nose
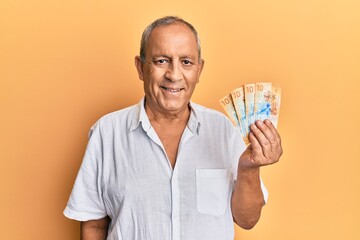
{"points": [[174, 71]]}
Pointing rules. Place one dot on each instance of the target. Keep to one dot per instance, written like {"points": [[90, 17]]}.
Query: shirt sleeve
{"points": [[238, 148], [86, 202]]}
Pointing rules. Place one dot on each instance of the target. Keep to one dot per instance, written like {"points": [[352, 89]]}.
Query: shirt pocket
{"points": [[213, 188]]}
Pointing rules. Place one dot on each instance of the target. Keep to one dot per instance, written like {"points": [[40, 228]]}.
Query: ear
{"points": [[139, 67], [201, 66]]}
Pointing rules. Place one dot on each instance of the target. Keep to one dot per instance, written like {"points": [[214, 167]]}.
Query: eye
{"points": [[161, 61], [187, 62]]}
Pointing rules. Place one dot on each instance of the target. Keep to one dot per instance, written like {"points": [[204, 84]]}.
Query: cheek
{"points": [[192, 79], [156, 75], [152, 80]]}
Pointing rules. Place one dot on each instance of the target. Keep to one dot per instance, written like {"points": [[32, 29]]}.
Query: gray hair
{"points": [[168, 20]]}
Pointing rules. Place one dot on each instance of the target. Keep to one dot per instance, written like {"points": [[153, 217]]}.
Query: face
{"points": [[171, 69]]}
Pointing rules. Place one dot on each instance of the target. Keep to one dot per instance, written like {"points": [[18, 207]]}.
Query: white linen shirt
{"points": [[127, 176]]}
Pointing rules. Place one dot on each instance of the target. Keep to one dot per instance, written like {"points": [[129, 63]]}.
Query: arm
{"points": [[247, 199], [264, 149], [94, 229]]}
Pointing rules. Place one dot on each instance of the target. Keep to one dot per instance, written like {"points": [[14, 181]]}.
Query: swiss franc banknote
{"points": [[249, 91], [251, 102], [238, 98], [262, 107], [227, 104], [275, 99]]}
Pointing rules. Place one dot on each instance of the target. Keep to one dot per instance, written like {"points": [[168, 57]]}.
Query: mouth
{"points": [[172, 90]]}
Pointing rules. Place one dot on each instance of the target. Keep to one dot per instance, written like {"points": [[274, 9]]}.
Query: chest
{"points": [[170, 138], [142, 158]]}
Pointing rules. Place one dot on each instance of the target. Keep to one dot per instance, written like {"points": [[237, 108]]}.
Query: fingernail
{"points": [[267, 122], [259, 122]]}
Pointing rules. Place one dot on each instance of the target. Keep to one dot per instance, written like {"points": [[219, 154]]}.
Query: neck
{"points": [[178, 117]]}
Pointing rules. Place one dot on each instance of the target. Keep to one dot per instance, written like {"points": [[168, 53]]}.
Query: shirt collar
{"points": [[141, 117], [194, 121]]}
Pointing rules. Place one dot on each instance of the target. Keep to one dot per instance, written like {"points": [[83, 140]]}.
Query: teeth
{"points": [[172, 90]]}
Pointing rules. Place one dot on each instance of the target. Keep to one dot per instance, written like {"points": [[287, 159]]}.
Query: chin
{"points": [[169, 106]]}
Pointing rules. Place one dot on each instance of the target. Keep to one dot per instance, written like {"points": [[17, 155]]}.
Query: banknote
{"points": [[262, 106], [249, 91], [227, 104], [275, 99], [238, 98], [251, 102]]}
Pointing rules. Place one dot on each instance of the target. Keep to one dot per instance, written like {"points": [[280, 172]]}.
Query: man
{"points": [[168, 168]]}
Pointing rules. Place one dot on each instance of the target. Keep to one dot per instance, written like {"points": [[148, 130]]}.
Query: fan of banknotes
{"points": [[251, 102]]}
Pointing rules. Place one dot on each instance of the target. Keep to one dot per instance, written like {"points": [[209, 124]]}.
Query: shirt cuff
{"points": [[81, 216]]}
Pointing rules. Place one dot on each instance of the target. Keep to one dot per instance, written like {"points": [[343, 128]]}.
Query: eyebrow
{"points": [[161, 55], [188, 56], [167, 56]]}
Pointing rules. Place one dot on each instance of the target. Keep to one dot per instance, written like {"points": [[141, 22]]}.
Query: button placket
{"points": [[175, 216]]}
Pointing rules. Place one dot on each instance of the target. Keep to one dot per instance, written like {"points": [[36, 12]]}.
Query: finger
{"points": [[272, 128], [262, 140], [269, 134], [277, 148], [256, 149]]}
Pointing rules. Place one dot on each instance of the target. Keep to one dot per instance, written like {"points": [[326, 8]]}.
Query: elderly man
{"points": [[168, 168]]}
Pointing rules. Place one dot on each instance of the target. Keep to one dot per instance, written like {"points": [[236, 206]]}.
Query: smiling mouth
{"points": [[173, 90]]}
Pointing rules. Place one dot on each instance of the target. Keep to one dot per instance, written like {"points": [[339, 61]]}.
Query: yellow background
{"points": [[63, 64]]}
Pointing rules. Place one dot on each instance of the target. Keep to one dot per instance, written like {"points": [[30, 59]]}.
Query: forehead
{"points": [[175, 38]]}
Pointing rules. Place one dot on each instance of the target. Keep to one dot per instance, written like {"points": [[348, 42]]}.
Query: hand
{"points": [[265, 146]]}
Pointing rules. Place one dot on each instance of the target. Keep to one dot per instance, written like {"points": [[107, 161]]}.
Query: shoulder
{"points": [[210, 116], [122, 118]]}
